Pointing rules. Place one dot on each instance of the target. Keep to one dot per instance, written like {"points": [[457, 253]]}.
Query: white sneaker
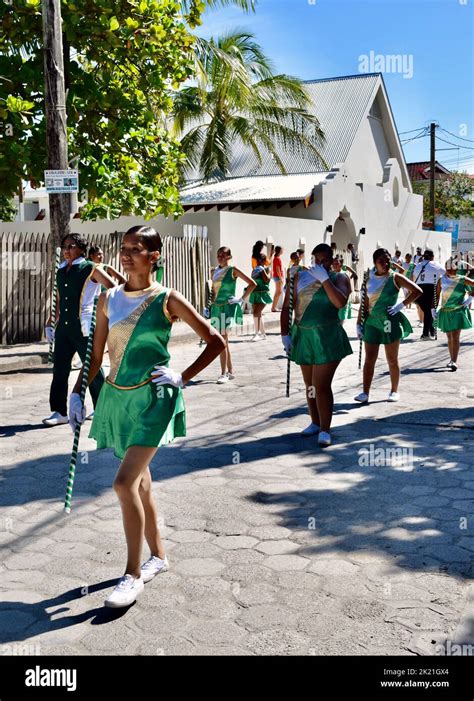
{"points": [[222, 379], [324, 439], [362, 398], [230, 376], [153, 566], [256, 337], [310, 430], [452, 365], [126, 592], [393, 397], [263, 336], [56, 419]]}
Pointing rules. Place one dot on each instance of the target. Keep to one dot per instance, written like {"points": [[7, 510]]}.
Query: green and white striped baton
{"points": [[435, 305], [208, 303], [363, 311], [77, 432], [290, 322], [53, 303]]}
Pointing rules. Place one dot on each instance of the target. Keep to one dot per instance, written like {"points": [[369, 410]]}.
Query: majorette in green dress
{"points": [[131, 409], [261, 294], [453, 316], [317, 335], [379, 326], [222, 314], [345, 312]]}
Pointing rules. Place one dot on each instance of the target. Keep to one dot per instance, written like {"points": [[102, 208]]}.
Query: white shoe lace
{"points": [[125, 582]]}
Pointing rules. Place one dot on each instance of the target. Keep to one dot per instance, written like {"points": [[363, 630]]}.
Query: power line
{"points": [[471, 141], [411, 131], [463, 148], [419, 136]]}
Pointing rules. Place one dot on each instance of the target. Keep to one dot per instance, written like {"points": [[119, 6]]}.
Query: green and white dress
{"points": [[346, 312], [317, 336], [261, 294], [453, 316], [222, 314], [130, 411], [379, 326]]}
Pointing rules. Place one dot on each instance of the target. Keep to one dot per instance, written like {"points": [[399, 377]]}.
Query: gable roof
{"points": [[420, 170], [340, 104]]}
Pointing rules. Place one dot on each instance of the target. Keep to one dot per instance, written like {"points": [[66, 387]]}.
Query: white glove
{"points": [[206, 313], [286, 340], [395, 309], [467, 302], [77, 411], [49, 333], [236, 300], [359, 331], [167, 376], [434, 313], [319, 273]]}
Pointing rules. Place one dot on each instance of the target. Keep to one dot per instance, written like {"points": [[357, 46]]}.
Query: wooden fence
{"points": [[26, 275]]}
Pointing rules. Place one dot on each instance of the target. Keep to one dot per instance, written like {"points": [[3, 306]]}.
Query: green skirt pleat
{"points": [[454, 321], [225, 316], [123, 418], [258, 297], [375, 329], [320, 345]]}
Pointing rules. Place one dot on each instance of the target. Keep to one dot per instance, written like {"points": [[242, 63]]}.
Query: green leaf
{"points": [[114, 24]]}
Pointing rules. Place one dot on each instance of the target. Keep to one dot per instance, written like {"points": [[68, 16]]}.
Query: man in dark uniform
{"points": [[78, 283]]}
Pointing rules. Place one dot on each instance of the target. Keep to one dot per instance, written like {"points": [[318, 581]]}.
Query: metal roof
{"points": [[264, 188], [340, 105]]}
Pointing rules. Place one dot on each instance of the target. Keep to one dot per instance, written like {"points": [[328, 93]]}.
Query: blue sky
{"points": [[326, 38]]}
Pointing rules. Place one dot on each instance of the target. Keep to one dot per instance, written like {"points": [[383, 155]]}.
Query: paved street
{"points": [[276, 547]]}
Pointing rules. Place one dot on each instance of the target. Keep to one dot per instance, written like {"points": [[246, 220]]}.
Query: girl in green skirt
{"points": [[141, 404], [316, 340], [260, 296], [226, 308], [454, 313], [384, 324]]}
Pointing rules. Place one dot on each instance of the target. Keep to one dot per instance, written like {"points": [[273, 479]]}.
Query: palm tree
{"points": [[238, 98]]}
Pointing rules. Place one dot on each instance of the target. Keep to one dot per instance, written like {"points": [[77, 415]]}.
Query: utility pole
{"points": [[432, 173], [56, 117]]}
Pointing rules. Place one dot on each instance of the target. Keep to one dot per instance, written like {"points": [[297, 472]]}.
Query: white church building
{"points": [[364, 197]]}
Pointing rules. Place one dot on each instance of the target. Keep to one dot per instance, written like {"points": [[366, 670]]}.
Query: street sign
{"points": [[58, 181]]}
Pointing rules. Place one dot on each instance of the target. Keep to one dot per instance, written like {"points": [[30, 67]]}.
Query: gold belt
{"points": [[141, 384], [451, 309]]}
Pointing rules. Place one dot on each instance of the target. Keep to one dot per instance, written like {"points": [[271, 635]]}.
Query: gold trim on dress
{"points": [[165, 307], [120, 333], [375, 296], [305, 297], [140, 384], [448, 291], [217, 283], [140, 293]]}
